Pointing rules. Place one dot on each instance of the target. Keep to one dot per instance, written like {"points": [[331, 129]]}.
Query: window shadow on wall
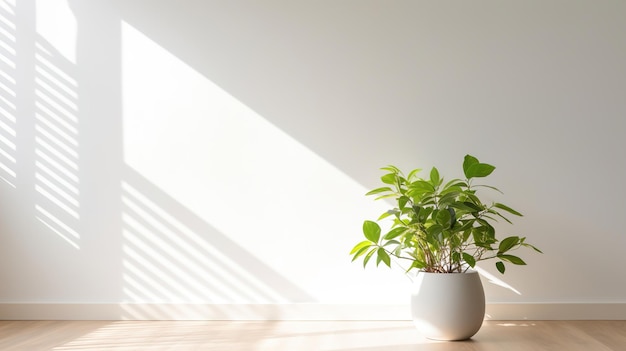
{"points": [[171, 255], [8, 91], [93, 228], [56, 151]]}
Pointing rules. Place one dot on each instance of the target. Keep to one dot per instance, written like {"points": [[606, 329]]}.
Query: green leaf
{"points": [[360, 245], [413, 174], [383, 256], [395, 233], [479, 170], [507, 244], [360, 252], [387, 214], [455, 183], [466, 232], [507, 208], [490, 187], [378, 190], [423, 213], [532, 247], [408, 211], [402, 201], [417, 264], [500, 267], [391, 168], [473, 206], [434, 230], [469, 259], [444, 218], [463, 207], [371, 231], [456, 257], [386, 196], [452, 213], [513, 259], [448, 198], [392, 242], [472, 198], [484, 216], [468, 162], [434, 176], [368, 256], [389, 178], [500, 215], [422, 186], [454, 189], [427, 200]]}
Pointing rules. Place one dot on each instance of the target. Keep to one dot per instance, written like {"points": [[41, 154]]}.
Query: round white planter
{"points": [[448, 306]]}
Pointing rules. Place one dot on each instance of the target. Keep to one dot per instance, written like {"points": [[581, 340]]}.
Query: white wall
{"points": [[218, 152]]}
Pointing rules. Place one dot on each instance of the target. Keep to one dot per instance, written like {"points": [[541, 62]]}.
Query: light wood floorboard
{"points": [[303, 336]]}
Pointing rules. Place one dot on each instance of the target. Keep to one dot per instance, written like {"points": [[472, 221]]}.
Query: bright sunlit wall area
{"points": [[208, 160]]}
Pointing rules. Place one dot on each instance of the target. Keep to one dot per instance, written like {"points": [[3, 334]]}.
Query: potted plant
{"points": [[442, 230]]}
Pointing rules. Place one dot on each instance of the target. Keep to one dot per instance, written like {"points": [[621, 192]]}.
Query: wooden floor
{"points": [[303, 336]]}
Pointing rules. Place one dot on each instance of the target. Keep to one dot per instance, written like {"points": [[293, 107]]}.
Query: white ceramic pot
{"points": [[448, 306]]}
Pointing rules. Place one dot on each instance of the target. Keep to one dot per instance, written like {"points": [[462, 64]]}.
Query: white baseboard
{"points": [[132, 311]]}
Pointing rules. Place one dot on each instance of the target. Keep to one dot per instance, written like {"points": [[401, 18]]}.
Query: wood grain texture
{"points": [[304, 335]]}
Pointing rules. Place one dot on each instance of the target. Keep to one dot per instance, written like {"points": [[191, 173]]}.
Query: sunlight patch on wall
{"points": [[57, 24], [276, 200], [496, 281]]}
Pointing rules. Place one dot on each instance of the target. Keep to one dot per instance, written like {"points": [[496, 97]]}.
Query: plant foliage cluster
{"points": [[439, 227]]}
